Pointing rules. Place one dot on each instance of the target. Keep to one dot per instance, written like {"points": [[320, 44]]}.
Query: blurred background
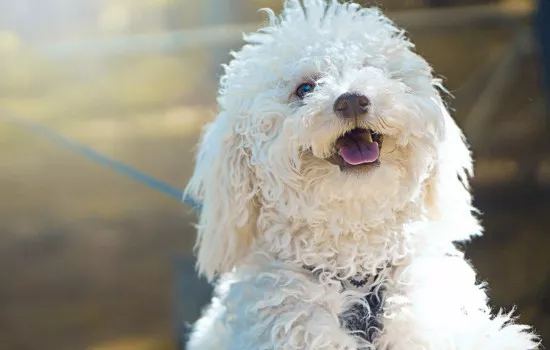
{"points": [[90, 259]]}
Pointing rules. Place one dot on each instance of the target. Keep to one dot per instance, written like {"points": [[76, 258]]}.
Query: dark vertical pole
{"points": [[179, 294], [542, 33], [191, 294]]}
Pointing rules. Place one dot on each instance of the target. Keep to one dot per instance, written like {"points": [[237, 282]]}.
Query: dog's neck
{"points": [[362, 249]]}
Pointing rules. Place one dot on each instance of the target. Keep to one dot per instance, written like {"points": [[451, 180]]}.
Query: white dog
{"points": [[334, 183]]}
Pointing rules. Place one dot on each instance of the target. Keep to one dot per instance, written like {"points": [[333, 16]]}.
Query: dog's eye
{"points": [[304, 89]]}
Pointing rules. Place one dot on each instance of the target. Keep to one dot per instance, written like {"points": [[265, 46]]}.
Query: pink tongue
{"points": [[360, 152]]}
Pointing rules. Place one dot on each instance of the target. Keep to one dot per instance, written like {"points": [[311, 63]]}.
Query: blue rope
{"points": [[97, 157]]}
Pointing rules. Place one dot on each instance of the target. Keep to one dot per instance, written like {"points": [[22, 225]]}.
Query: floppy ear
{"points": [[223, 180], [448, 197]]}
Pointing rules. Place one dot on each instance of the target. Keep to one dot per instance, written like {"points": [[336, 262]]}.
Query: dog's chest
{"points": [[363, 317]]}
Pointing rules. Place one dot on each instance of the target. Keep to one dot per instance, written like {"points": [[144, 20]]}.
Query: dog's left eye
{"points": [[304, 89]]}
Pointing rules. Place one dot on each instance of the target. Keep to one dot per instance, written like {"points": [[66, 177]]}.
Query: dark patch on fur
{"points": [[363, 317]]}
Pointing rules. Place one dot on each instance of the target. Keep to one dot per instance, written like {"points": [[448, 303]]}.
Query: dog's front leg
{"points": [[435, 304], [276, 309]]}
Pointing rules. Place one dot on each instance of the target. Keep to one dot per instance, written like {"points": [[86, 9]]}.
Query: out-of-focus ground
{"points": [[90, 259]]}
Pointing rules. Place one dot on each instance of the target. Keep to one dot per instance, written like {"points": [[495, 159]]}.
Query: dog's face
{"points": [[326, 113]]}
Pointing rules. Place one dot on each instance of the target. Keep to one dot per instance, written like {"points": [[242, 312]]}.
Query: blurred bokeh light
{"points": [[90, 259]]}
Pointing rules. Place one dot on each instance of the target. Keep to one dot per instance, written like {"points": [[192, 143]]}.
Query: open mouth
{"points": [[357, 148]]}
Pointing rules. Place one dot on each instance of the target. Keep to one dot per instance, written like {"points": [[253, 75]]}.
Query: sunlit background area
{"points": [[90, 258]]}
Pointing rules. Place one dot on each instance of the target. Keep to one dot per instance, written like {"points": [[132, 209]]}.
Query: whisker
{"points": [[384, 123]]}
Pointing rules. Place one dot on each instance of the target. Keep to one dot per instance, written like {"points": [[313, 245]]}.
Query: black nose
{"points": [[350, 105]]}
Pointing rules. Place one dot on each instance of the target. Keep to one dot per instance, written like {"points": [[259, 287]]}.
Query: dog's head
{"points": [[329, 118]]}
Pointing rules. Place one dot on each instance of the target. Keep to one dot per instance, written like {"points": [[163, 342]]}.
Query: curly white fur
{"points": [[272, 204]]}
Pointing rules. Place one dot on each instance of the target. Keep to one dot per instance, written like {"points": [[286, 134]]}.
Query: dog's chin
{"points": [[357, 151]]}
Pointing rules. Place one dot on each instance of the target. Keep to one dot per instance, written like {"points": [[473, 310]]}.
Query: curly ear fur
{"points": [[223, 181], [448, 197]]}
